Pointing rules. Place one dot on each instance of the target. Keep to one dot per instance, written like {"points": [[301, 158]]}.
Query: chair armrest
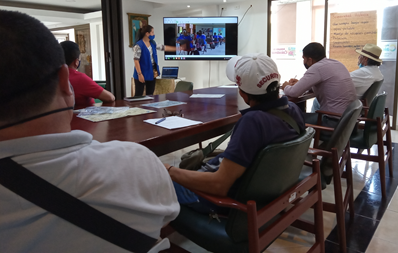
{"points": [[222, 201], [329, 113], [308, 163], [367, 119], [315, 151], [316, 127]]}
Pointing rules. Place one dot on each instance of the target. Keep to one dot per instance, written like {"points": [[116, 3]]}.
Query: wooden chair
{"points": [[335, 154], [377, 125], [184, 86], [268, 188]]}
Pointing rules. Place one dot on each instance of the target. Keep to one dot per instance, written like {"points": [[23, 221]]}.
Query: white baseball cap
{"points": [[253, 72]]}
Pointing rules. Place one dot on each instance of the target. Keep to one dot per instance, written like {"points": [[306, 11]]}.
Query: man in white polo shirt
{"points": [[123, 180], [368, 72]]}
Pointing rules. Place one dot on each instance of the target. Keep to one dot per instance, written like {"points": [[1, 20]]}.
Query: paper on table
{"points": [[228, 86], [138, 98], [207, 95], [116, 114], [163, 104], [173, 122]]}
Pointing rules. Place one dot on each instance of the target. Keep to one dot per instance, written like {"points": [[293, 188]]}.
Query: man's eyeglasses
{"points": [[170, 113]]}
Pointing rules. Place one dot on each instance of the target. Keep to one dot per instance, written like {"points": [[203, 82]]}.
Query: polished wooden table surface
{"points": [[218, 116]]}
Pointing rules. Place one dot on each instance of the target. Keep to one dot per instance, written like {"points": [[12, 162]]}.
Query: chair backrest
{"points": [[269, 176], [371, 92], [184, 86], [376, 110], [340, 138], [344, 127], [101, 83]]}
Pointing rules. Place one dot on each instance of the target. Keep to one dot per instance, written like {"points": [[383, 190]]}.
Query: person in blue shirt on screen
{"points": [[220, 38], [215, 38], [185, 37]]}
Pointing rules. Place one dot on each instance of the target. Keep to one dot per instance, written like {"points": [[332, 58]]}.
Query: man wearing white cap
{"points": [[368, 72], [258, 79]]}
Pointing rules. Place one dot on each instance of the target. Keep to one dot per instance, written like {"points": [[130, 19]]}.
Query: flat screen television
{"points": [[201, 38]]}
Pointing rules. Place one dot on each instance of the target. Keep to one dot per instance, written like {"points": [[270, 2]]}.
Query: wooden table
{"points": [[218, 116]]}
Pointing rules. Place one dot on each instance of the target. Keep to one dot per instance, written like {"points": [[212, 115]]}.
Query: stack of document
{"points": [[207, 96], [172, 122], [137, 98]]}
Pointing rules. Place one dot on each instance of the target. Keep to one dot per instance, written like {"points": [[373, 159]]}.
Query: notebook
{"points": [[169, 72]]}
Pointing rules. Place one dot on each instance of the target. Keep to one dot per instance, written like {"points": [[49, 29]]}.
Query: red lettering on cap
{"points": [[267, 78], [238, 80]]}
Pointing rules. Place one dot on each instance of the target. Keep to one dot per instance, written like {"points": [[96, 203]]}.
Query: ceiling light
{"points": [[188, 6], [225, 1]]}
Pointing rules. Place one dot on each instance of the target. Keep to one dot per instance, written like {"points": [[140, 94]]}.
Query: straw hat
{"points": [[371, 51]]}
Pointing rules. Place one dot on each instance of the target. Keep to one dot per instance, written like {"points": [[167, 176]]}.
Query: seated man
{"points": [[258, 80], [330, 81], [86, 90], [123, 180], [368, 72]]}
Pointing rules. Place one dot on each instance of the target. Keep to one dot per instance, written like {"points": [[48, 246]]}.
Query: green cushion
{"points": [[212, 236]]}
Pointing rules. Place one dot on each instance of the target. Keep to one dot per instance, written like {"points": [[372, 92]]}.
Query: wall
{"points": [[156, 20], [252, 38], [97, 51]]}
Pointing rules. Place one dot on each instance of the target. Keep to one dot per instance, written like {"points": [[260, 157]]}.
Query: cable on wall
{"points": [[244, 14]]}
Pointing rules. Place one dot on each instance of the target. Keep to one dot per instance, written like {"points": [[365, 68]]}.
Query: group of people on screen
{"points": [[126, 181], [197, 43]]}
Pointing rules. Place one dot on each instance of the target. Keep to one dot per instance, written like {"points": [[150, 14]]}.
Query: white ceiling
{"points": [[96, 4], [196, 2], [79, 4], [56, 19]]}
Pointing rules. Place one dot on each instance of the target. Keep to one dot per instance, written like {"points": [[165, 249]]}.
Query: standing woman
{"points": [[146, 61]]}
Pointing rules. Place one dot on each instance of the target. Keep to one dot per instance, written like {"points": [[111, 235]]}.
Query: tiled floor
{"points": [[371, 213]]}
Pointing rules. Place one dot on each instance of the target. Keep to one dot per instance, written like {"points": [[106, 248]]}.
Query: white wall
{"points": [[252, 38], [156, 20], [97, 51]]}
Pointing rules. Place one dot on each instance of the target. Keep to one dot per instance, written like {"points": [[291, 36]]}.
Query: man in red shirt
{"points": [[84, 87]]}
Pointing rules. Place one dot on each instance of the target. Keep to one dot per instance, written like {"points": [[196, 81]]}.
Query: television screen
{"points": [[201, 38]]}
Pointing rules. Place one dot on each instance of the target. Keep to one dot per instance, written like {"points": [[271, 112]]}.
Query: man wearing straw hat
{"points": [[368, 72]]}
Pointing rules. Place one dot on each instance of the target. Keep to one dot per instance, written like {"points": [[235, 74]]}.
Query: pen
{"points": [[161, 120], [295, 77]]}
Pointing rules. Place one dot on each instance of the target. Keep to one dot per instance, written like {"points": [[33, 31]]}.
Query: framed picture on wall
{"points": [[136, 21]]}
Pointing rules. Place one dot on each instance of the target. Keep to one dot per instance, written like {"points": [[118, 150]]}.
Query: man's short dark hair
{"points": [[272, 94], [71, 51], [315, 51], [30, 61], [373, 62]]}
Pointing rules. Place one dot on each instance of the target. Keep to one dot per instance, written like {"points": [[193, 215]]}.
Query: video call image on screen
{"points": [[204, 38]]}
